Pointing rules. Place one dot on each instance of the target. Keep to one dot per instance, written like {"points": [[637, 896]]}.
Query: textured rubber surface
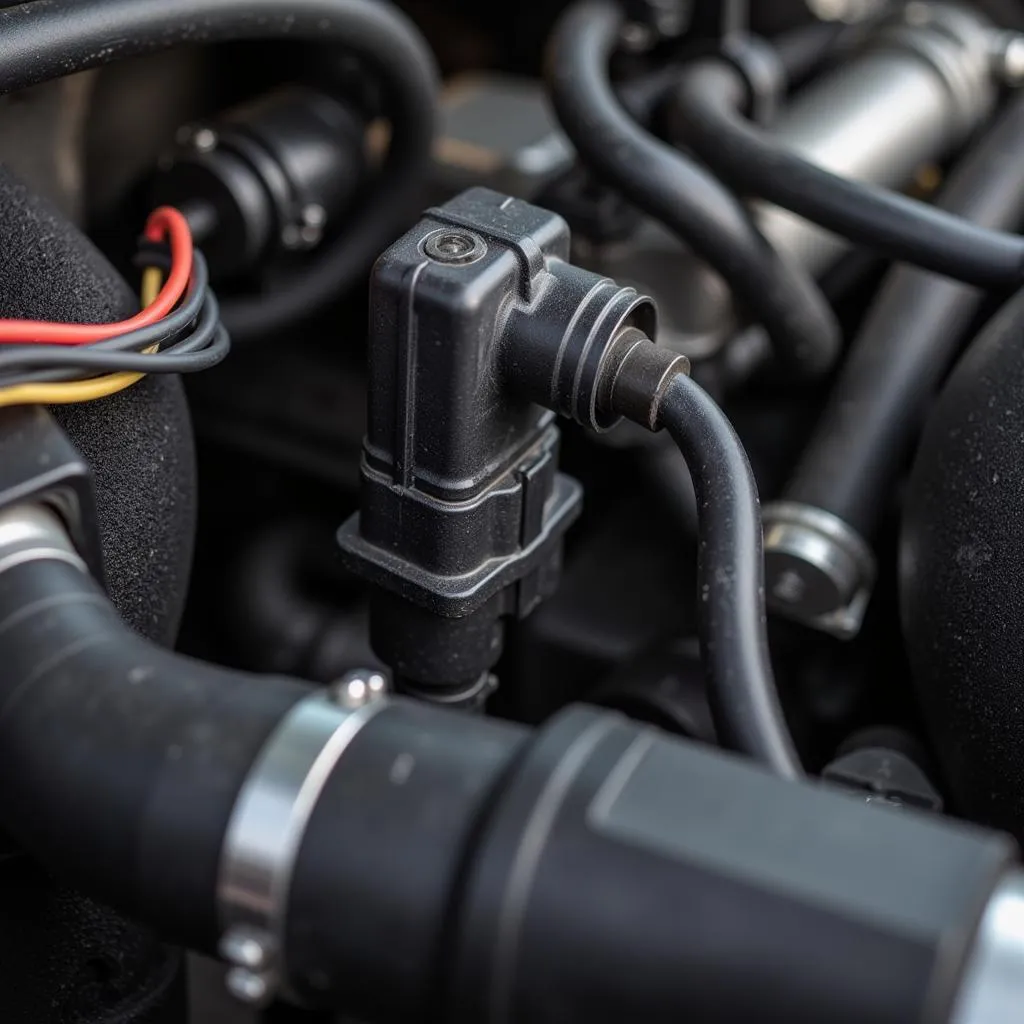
{"points": [[138, 442], [960, 574], [65, 959]]}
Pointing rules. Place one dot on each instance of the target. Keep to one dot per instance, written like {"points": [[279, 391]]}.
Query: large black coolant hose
{"points": [[121, 766], [731, 600], [47, 39], [707, 118], [905, 346], [135, 753], [675, 191], [431, 865]]}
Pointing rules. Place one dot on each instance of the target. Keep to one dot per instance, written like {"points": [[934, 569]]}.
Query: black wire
{"points": [[165, 332], [149, 253], [191, 338], [203, 348], [171, 326], [690, 201], [47, 39], [706, 117], [214, 350], [730, 580]]}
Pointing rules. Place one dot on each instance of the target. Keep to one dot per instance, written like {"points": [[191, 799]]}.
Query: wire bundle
{"points": [[178, 331]]}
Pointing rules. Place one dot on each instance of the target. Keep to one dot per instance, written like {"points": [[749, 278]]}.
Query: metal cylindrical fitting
{"points": [[921, 85], [818, 570], [29, 533], [637, 374], [992, 990]]}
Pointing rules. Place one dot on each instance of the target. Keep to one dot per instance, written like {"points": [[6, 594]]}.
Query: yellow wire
{"points": [[85, 390], [152, 281]]}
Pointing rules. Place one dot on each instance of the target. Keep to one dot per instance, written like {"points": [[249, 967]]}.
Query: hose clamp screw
{"points": [[267, 828], [358, 688], [251, 977]]}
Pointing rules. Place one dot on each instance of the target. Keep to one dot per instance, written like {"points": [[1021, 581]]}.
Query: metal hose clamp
{"points": [[267, 825], [32, 532]]}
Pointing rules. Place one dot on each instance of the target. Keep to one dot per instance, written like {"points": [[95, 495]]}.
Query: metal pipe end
{"points": [[818, 570], [992, 990], [35, 532], [637, 376]]}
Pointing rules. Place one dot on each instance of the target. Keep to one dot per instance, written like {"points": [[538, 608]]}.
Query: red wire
{"points": [[163, 223]]}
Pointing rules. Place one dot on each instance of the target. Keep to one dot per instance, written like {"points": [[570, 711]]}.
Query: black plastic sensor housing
{"points": [[478, 322]]}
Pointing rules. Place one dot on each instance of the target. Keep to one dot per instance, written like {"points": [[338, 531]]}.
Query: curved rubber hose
{"points": [[124, 753], [675, 191], [915, 327], [47, 39], [731, 604], [706, 117]]}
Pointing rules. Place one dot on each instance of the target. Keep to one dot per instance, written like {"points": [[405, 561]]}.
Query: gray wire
{"points": [[163, 333], [206, 346], [172, 325]]}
